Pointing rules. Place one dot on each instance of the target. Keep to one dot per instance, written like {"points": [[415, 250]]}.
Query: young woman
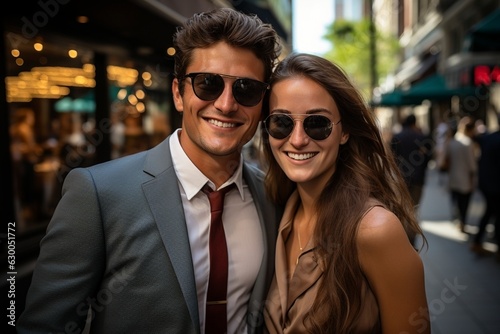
{"points": [[344, 260]]}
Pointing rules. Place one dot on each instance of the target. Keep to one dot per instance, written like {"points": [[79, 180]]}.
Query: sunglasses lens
{"points": [[317, 127], [279, 126], [248, 92], [207, 86]]}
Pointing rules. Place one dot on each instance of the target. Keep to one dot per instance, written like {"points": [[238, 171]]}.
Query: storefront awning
{"points": [[395, 98], [86, 102], [483, 36], [490, 24], [432, 88], [390, 99]]}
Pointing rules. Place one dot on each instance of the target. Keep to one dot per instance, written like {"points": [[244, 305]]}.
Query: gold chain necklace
{"points": [[300, 247], [300, 242]]}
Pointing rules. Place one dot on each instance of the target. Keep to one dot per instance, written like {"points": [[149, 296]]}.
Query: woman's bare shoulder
{"points": [[378, 227]]}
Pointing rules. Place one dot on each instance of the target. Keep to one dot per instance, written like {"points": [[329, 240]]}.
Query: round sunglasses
{"points": [[209, 86], [280, 126]]}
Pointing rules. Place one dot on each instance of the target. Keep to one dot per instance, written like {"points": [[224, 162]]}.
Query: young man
{"points": [[130, 238]]}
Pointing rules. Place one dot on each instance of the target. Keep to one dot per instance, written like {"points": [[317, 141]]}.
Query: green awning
{"points": [[396, 98], [432, 88], [86, 103], [490, 24], [390, 99], [483, 36], [82, 105]]}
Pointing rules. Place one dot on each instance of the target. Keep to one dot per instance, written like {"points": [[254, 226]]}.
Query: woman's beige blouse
{"points": [[287, 304]]}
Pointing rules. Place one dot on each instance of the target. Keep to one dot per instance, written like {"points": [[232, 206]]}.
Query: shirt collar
{"points": [[190, 177]]}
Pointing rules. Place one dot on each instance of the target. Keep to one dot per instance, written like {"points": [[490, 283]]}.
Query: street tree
{"points": [[351, 50]]}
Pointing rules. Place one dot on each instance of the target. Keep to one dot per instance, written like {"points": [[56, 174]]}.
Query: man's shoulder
{"points": [[253, 170], [133, 161], [125, 162]]}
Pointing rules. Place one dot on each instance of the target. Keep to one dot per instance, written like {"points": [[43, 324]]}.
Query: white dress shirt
{"points": [[242, 228]]}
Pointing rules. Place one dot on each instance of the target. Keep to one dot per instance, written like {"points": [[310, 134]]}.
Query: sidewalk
{"points": [[463, 289]]}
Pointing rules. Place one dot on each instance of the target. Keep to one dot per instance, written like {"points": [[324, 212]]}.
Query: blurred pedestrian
{"points": [[344, 260], [131, 238], [442, 136], [26, 153], [461, 154], [413, 151], [489, 185]]}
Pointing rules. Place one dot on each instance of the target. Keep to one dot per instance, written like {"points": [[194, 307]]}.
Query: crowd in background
{"points": [[467, 158]]}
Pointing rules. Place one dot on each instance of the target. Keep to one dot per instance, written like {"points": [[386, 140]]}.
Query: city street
{"points": [[463, 289]]}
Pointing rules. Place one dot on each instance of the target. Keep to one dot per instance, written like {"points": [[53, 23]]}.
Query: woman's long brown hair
{"points": [[365, 169]]}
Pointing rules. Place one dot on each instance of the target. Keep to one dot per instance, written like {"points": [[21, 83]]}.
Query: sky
{"points": [[310, 19]]}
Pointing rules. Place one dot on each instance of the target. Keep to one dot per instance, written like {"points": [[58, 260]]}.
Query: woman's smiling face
{"points": [[303, 159]]}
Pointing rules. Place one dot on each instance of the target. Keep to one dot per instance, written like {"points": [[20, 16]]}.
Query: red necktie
{"points": [[216, 307]]}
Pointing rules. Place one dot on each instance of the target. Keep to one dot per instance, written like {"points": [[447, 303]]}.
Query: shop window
{"points": [[53, 127]]}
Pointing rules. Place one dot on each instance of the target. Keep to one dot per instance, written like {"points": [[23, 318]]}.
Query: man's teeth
{"points": [[221, 124], [302, 156]]}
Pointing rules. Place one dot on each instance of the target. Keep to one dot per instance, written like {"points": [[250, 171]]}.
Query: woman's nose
{"points": [[298, 137]]}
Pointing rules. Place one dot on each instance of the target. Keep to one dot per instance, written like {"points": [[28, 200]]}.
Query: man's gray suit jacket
{"points": [[118, 240]]}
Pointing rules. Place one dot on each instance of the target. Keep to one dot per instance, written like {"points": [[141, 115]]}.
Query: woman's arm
{"points": [[395, 272]]}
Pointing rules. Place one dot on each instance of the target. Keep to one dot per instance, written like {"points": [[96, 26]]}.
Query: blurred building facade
{"points": [[352, 10], [449, 64]]}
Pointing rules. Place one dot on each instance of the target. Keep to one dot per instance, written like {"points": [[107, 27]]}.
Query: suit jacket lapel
{"points": [[164, 199], [269, 218]]}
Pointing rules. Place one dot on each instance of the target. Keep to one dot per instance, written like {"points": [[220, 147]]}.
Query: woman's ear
{"points": [[344, 138]]}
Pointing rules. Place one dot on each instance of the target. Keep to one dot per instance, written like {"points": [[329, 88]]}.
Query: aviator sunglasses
{"points": [[280, 126], [209, 86]]}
